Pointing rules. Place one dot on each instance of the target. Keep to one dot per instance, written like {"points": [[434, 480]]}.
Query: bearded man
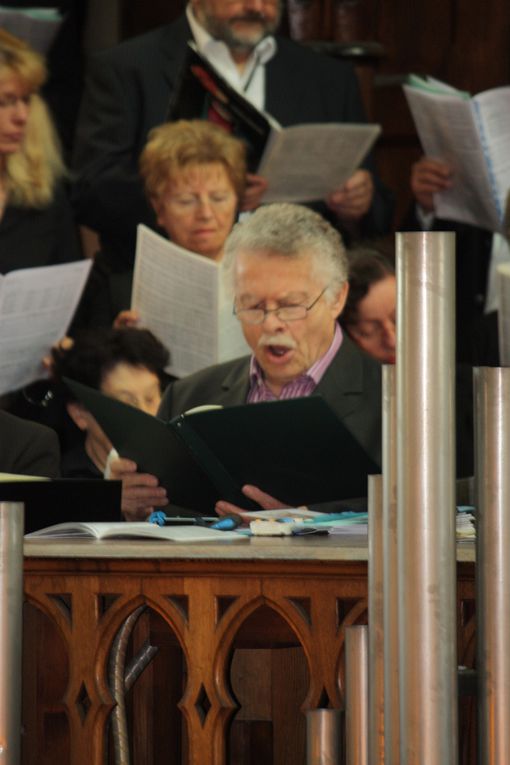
{"points": [[130, 88]]}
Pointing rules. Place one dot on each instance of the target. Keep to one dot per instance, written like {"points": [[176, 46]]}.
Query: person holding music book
{"points": [[130, 88], [299, 163], [286, 269]]}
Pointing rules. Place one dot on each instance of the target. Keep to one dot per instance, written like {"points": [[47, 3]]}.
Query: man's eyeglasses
{"points": [[284, 312]]}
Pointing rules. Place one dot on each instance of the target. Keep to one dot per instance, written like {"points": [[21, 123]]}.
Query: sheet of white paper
{"points": [[493, 109], [303, 163], [36, 307], [179, 298], [447, 129]]}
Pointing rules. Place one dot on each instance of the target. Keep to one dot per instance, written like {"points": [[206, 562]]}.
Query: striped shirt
{"points": [[304, 385]]}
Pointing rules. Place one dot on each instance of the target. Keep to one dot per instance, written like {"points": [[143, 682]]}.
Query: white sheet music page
{"points": [[447, 128], [304, 163], [36, 307], [179, 297]]}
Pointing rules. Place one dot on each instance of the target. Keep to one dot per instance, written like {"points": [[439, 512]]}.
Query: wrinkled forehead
{"points": [[264, 273]]}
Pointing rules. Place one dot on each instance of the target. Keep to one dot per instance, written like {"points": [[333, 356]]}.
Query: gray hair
{"points": [[293, 231]]}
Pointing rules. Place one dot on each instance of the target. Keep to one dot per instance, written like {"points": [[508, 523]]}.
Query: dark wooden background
{"points": [[464, 42]]}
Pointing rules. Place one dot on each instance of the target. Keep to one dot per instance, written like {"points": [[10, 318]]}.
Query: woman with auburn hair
{"points": [[194, 174], [36, 221]]}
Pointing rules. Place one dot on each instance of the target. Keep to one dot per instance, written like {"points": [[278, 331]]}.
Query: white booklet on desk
{"points": [[181, 298], [36, 307], [473, 136], [144, 530]]}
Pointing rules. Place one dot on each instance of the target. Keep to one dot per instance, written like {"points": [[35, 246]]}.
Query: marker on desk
{"points": [[227, 523], [161, 519]]}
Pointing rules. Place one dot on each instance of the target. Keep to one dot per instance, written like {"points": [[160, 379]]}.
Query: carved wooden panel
{"points": [[197, 614]]}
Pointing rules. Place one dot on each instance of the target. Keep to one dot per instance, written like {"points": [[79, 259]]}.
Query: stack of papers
{"points": [[465, 523]]}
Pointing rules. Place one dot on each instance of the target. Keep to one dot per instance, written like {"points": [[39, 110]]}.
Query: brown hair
{"points": [[177, 145]]}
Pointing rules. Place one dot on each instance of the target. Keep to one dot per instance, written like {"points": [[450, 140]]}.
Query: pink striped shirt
{"points": [[304, 385]]}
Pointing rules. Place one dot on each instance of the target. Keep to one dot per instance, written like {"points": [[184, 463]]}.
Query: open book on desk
{"points": [[296, 450], [301, 163], [143, 530], [180, 297], [472, 135]]}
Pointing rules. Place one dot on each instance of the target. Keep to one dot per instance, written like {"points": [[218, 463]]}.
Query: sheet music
{"points": [[494, 116], [303, 163], [503, 273], [448, 131], [36, 26], [180, 298], [36, 307]]}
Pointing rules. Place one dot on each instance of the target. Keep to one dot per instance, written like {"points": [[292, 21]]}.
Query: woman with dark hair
{"points": [[127, 364], [369, 313]]}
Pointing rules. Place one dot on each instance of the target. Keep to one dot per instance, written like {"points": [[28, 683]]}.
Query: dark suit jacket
{"points": [[351, 386], [27, 447], [128, 91], [31, 236]]}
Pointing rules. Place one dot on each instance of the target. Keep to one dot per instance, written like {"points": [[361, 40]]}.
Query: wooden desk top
{"points": [[331, 548]]}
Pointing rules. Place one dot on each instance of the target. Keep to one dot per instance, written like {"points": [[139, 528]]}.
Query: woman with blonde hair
{"points": [[36, 220], [194, 174]]}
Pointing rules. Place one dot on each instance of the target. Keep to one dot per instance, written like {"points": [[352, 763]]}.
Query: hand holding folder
{"points": [[296, 450]]}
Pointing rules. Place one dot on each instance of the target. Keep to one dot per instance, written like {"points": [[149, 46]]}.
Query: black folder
{"points": [[64, 500], [296, 450], [201, 88]]}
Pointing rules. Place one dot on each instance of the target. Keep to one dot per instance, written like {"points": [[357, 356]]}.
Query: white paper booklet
{"points": [[472, 135], [303, 163], [503, 280], [36, 307], [181, 298], [124, 530], [37, 26]]}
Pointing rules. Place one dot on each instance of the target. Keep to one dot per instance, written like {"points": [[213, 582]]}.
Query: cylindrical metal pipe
{"points": [[492, 454], [390, 568], [11, 605], [375, 623], [323, 737], [356, 694], [426, 497]]}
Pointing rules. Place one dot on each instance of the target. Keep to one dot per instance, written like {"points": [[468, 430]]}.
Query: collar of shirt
{"points": [[251, 83], [304, 385]]}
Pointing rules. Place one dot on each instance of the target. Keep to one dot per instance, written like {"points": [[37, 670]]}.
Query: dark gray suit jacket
{"points": [[27, 447], [351, 386], [129, 90]]}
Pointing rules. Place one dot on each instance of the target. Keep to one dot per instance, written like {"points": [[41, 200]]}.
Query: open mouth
{"points": [[278, 351]]}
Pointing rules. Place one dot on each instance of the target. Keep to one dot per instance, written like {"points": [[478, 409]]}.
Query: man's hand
{"points": [[256, 187], [265, 501], [352, 201], [428, 177], [140, 491], [128, 318]]}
